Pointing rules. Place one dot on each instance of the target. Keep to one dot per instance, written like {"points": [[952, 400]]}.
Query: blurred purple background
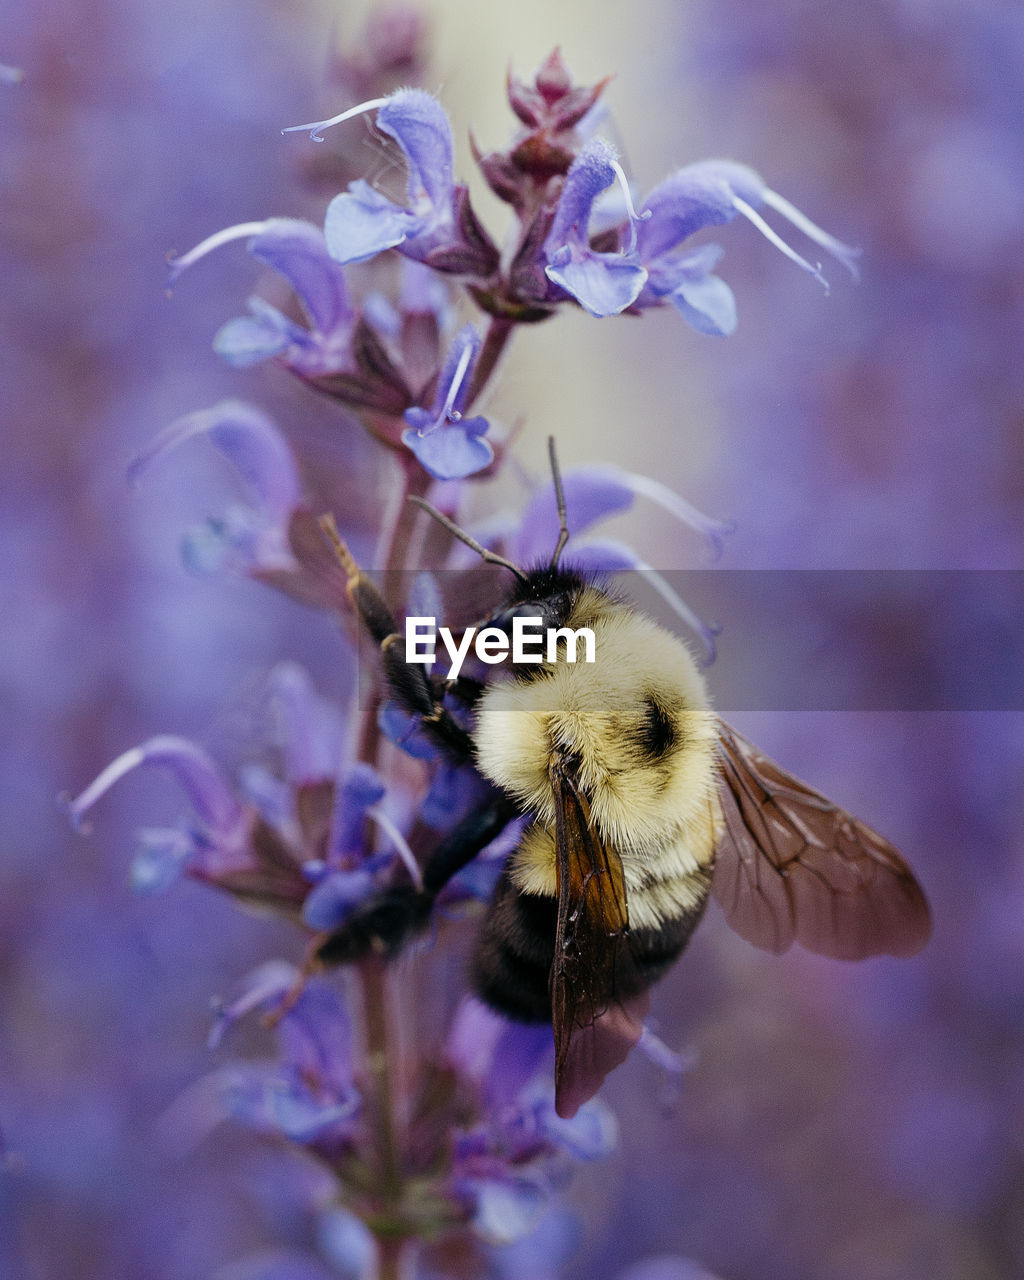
{"points": [[839, 1122]]}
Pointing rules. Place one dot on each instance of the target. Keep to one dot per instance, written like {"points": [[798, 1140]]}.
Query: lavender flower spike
{"points": [[203, 783], [361, 222], [448, 445], [602, 283]]}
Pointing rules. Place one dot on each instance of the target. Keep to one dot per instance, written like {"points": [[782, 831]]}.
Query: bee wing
{"points": [[597, 999], [792, 866]]}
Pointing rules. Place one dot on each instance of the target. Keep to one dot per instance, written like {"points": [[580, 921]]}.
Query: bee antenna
{"points": [[491, 557], [563, 526]]}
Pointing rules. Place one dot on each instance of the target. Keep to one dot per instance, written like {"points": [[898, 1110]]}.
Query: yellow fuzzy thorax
{"points": [[594, 713]]}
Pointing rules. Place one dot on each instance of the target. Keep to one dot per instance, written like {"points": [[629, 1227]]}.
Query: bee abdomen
{"points": [[514, 953], [663, 915]]}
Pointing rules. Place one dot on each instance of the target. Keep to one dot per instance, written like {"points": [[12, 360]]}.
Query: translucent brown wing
{"points": [[793, 867], [598, 1000]]}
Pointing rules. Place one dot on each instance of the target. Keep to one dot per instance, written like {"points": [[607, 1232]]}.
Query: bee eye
{"points": [[529, 609]]}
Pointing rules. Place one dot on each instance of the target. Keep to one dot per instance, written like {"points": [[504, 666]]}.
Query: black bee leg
{"points": [[408, 681], [467, 690], [384, 923]]}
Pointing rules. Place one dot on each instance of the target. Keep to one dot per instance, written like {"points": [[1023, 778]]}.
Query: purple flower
{"points": [[594, 493], [710, 194], [508, 1165], [602, 283], [652, 269], [298, 845], [351, 868], [253, 537], [308, 1095], [361, 222], [446, 444], [215, 845], [297, 250], [306, 727]]}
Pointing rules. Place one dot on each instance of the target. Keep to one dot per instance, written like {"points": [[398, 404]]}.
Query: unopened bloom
{"points": [[446, 444]]}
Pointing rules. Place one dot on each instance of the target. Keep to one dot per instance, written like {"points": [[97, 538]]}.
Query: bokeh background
{"points": [[837, 1122]]}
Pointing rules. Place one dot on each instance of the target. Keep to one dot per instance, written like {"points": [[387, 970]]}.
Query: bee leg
{"points": [[384, 923], [467, 690], [408, 681]]}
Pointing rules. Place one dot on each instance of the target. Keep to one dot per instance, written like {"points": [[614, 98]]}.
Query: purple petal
{"points": [[662, 1056], [591, 494], [473, 1038], [422, 292], [266, 1099], [298, 251], [453, 789], [707, 303], [692, 198], [602, 283], [499, 1056], [347, 1242], [201, 779], [591, 1134], [263, 986], [450, 452], [591, 171], [307, 727], [543, 1253], [506, 1209], [333, 900], [603, 555], [740, 179], [404, 730], [316, 1038], [418, 123], [454, 380], [249, 440], [163, 855], [248, 340], [359, 788], [361, 223]]}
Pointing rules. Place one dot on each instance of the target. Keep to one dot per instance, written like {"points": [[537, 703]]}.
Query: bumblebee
{"points": [[642, 804]]}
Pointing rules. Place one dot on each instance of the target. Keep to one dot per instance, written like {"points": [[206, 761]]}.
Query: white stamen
{"points": [[844, 253], [114, 771], [398, 840], [753, 216], [714, 530], [315, 127], [460, 373], [706, 630], [634, 217], [241, 231]]}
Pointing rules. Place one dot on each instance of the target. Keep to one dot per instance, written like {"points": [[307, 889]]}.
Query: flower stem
{"points": [[498, 333]]}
